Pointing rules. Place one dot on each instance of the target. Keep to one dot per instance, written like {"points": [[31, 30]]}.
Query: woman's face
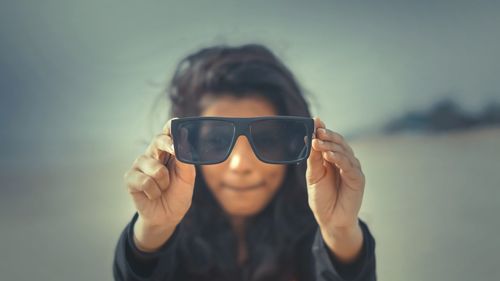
{"points": [[242, 184]]}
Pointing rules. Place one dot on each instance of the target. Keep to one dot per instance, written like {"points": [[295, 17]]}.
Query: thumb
{"points": [[183, 171], [315, 169]]}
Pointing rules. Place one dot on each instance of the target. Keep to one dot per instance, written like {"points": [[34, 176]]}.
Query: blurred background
{"points": [[413, 85]]}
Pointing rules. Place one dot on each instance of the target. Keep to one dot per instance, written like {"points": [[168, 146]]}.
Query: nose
{"points": [[242, 158]]}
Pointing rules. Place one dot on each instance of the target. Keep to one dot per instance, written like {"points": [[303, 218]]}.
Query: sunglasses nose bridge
{"points": [[243, 129], [242, 151]]}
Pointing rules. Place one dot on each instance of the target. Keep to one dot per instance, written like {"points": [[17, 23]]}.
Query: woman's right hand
{"points": [[160, 185]]}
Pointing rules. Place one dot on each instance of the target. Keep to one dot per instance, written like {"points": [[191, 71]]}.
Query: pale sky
{"points": [[89, 71]]}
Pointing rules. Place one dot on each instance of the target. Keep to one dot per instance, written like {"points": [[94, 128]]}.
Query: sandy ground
{"points": [[430, 201]]}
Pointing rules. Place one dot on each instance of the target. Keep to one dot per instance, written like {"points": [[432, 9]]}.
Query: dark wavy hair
{"points": [[208, 245]]}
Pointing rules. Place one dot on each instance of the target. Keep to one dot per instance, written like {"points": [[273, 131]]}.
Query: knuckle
{"points": [[147, 181], [128, 177], [161, 172], [138, 160], [151, 190], [130, 188], [337, 136], [159, 138], [162, 142]]}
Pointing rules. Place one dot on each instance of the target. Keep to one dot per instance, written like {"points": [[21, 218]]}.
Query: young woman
{"points": [[244, 218]]}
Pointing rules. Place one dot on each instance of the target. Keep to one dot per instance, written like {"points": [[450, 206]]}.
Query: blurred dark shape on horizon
{"points": [[444, 116]]}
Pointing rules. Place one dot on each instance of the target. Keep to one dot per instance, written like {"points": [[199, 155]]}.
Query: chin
{"points": [[242, 211]]}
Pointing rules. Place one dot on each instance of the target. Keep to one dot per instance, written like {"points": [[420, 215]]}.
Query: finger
{"points": [[167, 127], [317, 124], [341, 161], [184, 171], [329, 135], [315, 169], [161, 143], [327, 146], [351, 175], [154, 169], [160, 146], [138, 182], [333, 136]]}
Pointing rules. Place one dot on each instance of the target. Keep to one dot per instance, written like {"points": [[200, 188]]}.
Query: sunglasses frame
{"points": [[241, 126]]}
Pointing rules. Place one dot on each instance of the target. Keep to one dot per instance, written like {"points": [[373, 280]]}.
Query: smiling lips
{"points": [[242, 188]]}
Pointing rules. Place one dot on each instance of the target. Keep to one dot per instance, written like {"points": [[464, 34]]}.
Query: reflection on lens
{"points": [[204, 141], [279, 140]]}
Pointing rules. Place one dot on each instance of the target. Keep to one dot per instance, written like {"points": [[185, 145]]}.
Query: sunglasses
{"points": [[274, 139]]}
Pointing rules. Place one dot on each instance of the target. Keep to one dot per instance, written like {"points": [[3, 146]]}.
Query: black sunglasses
{"points": [[274, 139]]}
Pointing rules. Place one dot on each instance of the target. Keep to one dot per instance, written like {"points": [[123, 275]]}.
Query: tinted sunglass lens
{"points": [[203, 141], [279, 140]]}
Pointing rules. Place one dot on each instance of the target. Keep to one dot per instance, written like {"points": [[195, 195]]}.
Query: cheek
{"points": [[275, 176], [211, 174]]}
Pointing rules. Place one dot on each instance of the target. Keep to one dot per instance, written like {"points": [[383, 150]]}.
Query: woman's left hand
{"points": [[335, 182]]}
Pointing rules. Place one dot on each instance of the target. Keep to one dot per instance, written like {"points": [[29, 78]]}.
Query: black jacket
{"points": [[314, 261]]}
